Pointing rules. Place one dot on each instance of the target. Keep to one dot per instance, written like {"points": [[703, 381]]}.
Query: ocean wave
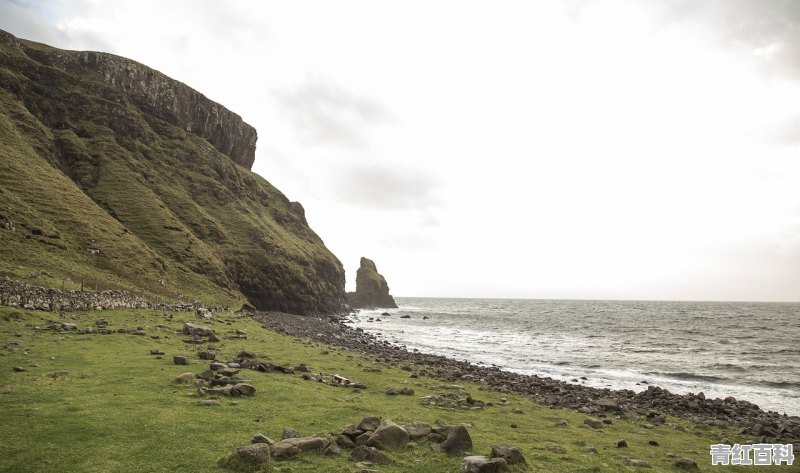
{"points": [[690, 376]]}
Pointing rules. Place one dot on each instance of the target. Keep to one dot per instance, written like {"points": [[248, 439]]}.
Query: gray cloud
{"points": [[25, 23], [769, 29], [386, 188], [324, 113]]}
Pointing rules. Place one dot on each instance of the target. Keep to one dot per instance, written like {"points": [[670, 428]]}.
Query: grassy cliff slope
{"points": [[117, 176]]}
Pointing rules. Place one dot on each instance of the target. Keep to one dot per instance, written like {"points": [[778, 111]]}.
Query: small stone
{"points": [[591, 450], [180, 360], [563, 423], [246, 354], [206, 355], [653, 443], [514, 425], [622, 444], [290, 434], [243, 389], [608, 421], [18, 369], [290, 447], [686, 464], [435, 437], [635, 462], [208, 402]]}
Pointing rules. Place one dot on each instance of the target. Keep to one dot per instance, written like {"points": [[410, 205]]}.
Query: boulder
{"points": [[481, 464], [368, 423], [200, 330], [457, 441], [344, 441], [635, 462], [206, 355], [288, 448], [593, 423], [243, 389], [290, 434], [388, 436], [370, 454], [510, 454], [180, 359], [417, 430], [255, 454]]}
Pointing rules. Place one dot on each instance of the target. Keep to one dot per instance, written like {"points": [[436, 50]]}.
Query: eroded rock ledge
{"points": [[371, 288], [154, 93]]}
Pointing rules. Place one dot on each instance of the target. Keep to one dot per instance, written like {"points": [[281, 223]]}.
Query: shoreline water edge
{"points": [[653, 402]]}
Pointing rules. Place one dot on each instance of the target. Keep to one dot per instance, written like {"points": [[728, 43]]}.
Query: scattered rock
{"points": [[404, 391], [510, 454], [333, 451], [156, 352], [243, 389], [206, 355], [622, 444], [653, 443], [246, 354], [344, 441], [199, 330], [482, 464], [457, 441], [18, 369], [207, 402], [563, 423]]}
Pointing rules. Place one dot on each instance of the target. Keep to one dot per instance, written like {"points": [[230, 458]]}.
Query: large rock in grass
{"points": [[388, 436], [368, 423], [288, 448], [458, 441]]}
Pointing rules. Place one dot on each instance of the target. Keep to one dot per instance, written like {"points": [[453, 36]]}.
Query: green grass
{"points": [[118, 410]]}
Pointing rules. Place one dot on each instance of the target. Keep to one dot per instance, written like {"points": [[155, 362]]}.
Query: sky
{"points": [[607, 149]]}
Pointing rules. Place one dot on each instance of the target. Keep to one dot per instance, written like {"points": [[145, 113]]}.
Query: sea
{"points": [[748, 350]]}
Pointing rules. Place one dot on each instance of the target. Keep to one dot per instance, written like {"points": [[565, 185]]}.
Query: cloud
{"points": [[25, 23], [325, 113], [789, 134], [386, 188], [769, 30]]}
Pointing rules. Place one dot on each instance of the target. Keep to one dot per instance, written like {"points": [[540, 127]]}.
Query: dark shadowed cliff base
{"points": [[114, 175]]}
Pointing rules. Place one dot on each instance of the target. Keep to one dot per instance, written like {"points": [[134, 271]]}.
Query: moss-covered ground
{"points": [[102, 403]]}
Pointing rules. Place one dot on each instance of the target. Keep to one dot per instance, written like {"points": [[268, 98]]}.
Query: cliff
{"points": [[113, 173], [372, 291]]}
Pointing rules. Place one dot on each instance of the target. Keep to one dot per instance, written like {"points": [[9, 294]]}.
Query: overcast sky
{"points": [[537, 149]]}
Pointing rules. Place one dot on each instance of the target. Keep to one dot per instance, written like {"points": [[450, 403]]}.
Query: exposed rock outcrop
{"points": [[371, 288]]}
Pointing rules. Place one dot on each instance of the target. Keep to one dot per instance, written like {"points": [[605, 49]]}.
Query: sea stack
{"points": [[371, 288]]}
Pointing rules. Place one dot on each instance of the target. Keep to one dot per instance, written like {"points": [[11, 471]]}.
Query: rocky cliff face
{"points": [[113, 173], [371, 288]]}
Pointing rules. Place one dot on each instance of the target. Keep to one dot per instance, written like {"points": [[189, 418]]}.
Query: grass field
{"points": [[102, 403]]}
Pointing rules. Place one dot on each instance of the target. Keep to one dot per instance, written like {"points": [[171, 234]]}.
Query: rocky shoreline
{"points": [[654, 403]]}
